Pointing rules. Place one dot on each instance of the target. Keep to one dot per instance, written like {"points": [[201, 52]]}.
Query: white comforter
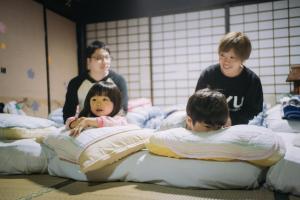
{"points": [[285, 174]]}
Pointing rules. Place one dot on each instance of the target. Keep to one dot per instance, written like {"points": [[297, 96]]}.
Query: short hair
{"points": [[208, 106], [237, 41], [103, 88], [94, 46]]}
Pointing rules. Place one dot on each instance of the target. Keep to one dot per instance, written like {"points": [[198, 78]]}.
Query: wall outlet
{"points": [[3, 70]]}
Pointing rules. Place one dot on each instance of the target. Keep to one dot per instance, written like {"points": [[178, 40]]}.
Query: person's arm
{"points": [[202, 81], [70, 122], [71, 101], [121, 84], [79, 124], [112, 121]]}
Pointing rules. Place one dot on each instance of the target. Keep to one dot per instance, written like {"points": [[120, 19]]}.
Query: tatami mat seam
{"points": [[46, 190]]}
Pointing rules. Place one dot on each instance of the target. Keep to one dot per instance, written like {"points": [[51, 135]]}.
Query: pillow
{"points": [[23, 156], [24, 121], [97, 147], [22, 133], [255, 144], [275, 122]]}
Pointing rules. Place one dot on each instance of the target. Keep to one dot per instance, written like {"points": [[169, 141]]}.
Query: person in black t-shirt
{"points": [[241, 86], [98, 69]]}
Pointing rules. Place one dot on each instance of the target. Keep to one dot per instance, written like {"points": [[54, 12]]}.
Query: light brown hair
{"points": [[237, 41]]}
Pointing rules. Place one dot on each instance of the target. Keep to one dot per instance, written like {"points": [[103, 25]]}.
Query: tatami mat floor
{"points": [[41, 187]]}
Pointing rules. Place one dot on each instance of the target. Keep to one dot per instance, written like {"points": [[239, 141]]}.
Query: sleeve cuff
{"points": [[100, 122]]}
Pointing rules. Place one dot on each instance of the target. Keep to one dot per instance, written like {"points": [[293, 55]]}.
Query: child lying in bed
{"points": [[101, 106], [206, 110], [206, 115]]}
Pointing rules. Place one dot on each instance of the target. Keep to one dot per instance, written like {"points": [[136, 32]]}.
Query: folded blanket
{"points": [[291, 108]]}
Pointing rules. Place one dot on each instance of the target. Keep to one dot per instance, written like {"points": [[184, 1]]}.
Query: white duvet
{"points": [[143, 166], [24, 156], [285, 174]]}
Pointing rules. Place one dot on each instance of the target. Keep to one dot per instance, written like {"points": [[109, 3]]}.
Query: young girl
{"points": [[101, 106]]}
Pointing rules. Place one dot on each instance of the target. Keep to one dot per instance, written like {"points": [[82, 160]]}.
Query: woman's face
{"points": [[101, 105], [231, 64], [99, 62]]}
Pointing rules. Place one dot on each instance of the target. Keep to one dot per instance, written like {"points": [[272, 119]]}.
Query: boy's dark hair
{"points": [[103, 88], [208, 106], [237, 41], [94, 46]]}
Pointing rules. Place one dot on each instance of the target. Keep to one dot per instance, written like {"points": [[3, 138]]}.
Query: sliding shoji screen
{"points": [[182, 45], [274, 29], [130, 48]]}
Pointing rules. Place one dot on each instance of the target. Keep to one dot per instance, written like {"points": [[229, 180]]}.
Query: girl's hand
{"points": [[82, 123]]}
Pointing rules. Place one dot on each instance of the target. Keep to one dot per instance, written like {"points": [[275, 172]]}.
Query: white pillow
{"points": [[23, 156], [275, 122], [97, 147], [256, 144], [24, 121]]}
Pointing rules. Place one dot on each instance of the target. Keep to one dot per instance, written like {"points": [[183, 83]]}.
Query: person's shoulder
{"points": [[77, 79], [212, 69], [250, 73], [114, 75]]}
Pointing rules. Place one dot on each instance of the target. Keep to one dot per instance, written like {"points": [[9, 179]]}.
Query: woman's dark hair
{"points": [[208, 106], [103, 88], [94, 46]]}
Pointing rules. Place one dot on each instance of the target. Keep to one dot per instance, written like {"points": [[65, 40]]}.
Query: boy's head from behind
{"points": [[206, 110]]}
